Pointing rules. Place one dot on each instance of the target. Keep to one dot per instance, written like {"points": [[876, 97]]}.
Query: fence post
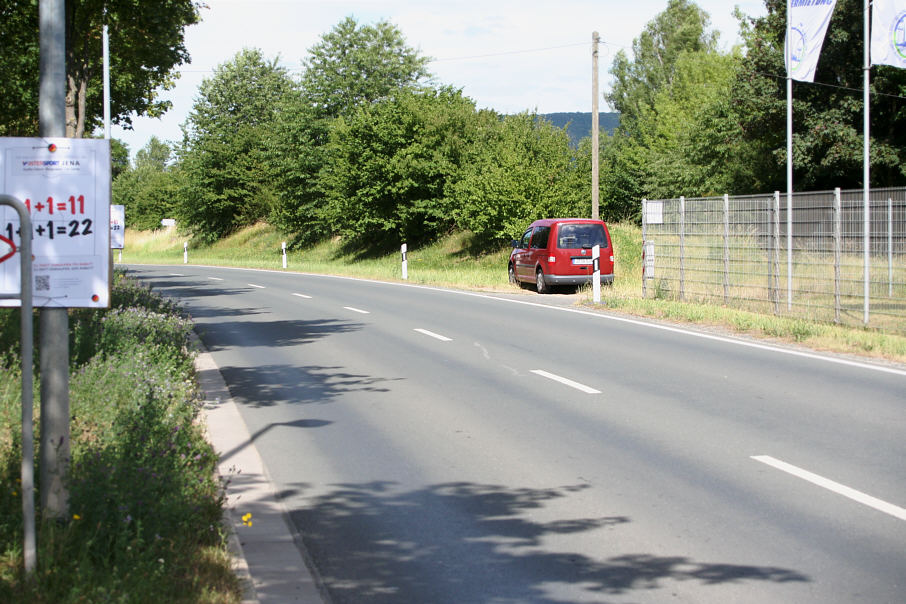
{"points": [[644, 239], [726, 248], [682, 249], [838, 252], [775, 244], [890, 247]]}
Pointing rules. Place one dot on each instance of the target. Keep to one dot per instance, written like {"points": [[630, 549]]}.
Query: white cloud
{"points": [[507, 55]]}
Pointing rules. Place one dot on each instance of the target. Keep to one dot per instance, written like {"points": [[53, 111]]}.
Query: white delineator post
{"points": [[596, 280], [405, 262], [284, 254], [185, 252]]}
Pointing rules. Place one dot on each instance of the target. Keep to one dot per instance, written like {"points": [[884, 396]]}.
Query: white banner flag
{"points": [[809, 20], [888, 33]]}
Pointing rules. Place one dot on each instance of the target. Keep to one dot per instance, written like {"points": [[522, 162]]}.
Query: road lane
{"points": [[422, 470]]}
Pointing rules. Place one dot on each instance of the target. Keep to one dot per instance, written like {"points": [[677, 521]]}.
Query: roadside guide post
{"points": [[185, 252], [284, 254], [27, 344], [405, 262], [596, 281]]}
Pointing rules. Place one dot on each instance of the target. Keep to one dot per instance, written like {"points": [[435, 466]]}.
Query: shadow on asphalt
{"points": [[466, 542]]}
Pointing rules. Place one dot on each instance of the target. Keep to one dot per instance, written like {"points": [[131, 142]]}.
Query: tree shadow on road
{"points": [[466, 542]]}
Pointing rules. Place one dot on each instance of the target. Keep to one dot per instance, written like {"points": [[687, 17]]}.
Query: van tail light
{"points": [[551, 258]]}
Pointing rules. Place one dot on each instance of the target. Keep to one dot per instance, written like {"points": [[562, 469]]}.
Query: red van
{"points": [[557, 251]]}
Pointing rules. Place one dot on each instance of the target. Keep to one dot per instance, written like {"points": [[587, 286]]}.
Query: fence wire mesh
{"points": [[803, 257]]}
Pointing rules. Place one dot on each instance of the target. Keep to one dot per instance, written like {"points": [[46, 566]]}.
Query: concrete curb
{"points": [[269, 558]]}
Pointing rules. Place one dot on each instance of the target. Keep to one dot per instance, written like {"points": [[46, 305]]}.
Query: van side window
{"points": [[525, 239], [539, 239]]}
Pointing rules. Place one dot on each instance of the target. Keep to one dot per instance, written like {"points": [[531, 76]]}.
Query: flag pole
{"points": [[866, 164], [789, 154]]}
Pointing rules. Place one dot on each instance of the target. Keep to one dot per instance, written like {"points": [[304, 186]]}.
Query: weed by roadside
{"points": [[145, 507]]}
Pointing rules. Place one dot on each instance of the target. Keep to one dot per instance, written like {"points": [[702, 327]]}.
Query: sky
{"points": [[506, 55]]}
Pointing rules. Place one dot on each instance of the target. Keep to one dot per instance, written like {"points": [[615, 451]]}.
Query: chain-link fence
{"points": [[806, 260]]}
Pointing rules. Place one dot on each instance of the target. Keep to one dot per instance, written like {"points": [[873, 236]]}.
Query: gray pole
{"points": [[54, 337], [594, 127], [866, 213]]}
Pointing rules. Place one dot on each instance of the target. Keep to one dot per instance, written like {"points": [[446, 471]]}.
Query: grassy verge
{"points": [[145, 508], [449, 263]]}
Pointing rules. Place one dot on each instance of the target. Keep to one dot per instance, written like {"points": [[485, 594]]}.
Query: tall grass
{"points": [[145, 503]]}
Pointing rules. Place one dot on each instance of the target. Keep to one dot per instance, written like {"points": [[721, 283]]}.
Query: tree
{"points": [[354, 65], [229, 180], [146, 44], [389, 165], [351, 67], [149, 190], [681, 27], [521, 169]]}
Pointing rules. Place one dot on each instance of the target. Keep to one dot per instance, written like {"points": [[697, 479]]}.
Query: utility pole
{"points": [[54, 336], [594, 125]]}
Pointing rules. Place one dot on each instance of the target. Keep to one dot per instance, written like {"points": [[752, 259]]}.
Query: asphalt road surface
{"points": [[441, 446]]}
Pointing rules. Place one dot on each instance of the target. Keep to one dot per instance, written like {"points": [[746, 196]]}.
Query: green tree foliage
{"points": [[389, 165], [150, 190], [19, 68], [681, 27], [229, 180], [827, 114], [521, 169], [146, 44], [352, 66], [355, 65]]}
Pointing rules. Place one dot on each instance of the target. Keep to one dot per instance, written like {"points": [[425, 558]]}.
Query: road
{"points": [[440, 446]]}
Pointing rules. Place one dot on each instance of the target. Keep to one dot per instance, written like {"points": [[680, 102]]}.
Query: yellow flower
{"points": [[76, 517], [247, 519]]}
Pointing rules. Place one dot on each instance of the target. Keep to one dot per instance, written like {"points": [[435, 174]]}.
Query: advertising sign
{"points": [[65, 184], [117, 227]]}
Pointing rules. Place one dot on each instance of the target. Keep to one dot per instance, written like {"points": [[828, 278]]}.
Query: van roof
{"points": [[552, 221]]}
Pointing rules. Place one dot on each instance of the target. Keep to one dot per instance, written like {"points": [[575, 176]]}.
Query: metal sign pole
{"points": [[28, 430]]}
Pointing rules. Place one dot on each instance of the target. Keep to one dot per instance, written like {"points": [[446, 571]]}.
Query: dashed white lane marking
{"points": [[215, 278], [566, 381], [302, 296], [258, 286], [177, 275], [358, 310], [431, 334], [836, 487]]}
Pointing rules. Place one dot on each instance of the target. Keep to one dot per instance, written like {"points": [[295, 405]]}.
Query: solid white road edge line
{"points": [[358, 310], [605, 317], [258, 286], [302, 296], [566, 381], [836, 487], [436, 336]]}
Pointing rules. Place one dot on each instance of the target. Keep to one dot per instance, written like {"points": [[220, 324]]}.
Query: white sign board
{"points": [[117, 227], [65, 184], [654, 212]]}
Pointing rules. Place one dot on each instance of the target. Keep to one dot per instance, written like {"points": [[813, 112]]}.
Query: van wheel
{"points": [[512, 273], [541, 285]]}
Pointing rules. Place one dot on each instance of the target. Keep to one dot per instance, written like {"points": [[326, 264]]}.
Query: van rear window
{"points": [[577, 236]]}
